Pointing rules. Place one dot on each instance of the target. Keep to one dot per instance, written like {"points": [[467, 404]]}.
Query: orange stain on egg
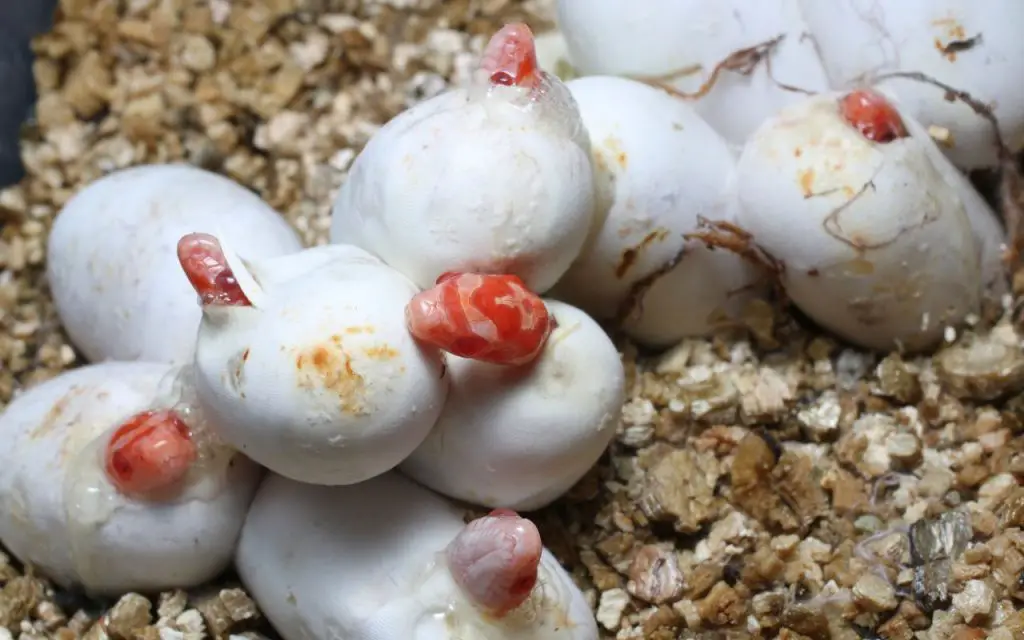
{"points": [[954, 33], [328, 366], [807, 182], [381, 352], [614, 146]]}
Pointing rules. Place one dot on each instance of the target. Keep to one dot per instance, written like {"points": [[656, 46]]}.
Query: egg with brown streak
{"points": [[875, 240], [659, 169], [318, 378], [974, 47], [737, 61]]}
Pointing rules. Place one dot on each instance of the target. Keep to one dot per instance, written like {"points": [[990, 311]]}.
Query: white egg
{"points": [[989, 232], [486, 178], [971, 46], [61, 513], [681, 42], [111, 262], [366, 562], [520, 437], [875, 243], [319, 380], [659, 167]]}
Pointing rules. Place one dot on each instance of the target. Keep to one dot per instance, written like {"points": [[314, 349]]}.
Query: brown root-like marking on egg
{"points": [[715, 235], [630, 256], [1009, 172], [510, 58], [833, 225], [742, 61], [495, 561], [632, 305], [328, 366], [203, 261], [149, 453], [728, 236], [870, 113]]}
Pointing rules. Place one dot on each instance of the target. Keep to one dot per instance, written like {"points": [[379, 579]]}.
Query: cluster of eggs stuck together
{"points": [[316, 417]]}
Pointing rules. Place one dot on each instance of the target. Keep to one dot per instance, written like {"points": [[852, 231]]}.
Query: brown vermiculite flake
{"points": [[18, 598], [767, 482], [655, 575], [226, 609], [130, 615]]}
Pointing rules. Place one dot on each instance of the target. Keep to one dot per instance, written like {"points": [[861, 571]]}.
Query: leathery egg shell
{"points": [[519, 437], [60, 513], [989, 233], [971, 46], [497, 181], [111, 261], [371, 568], [319, 380], [876, 245], [681, 42], [659, 167]]}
